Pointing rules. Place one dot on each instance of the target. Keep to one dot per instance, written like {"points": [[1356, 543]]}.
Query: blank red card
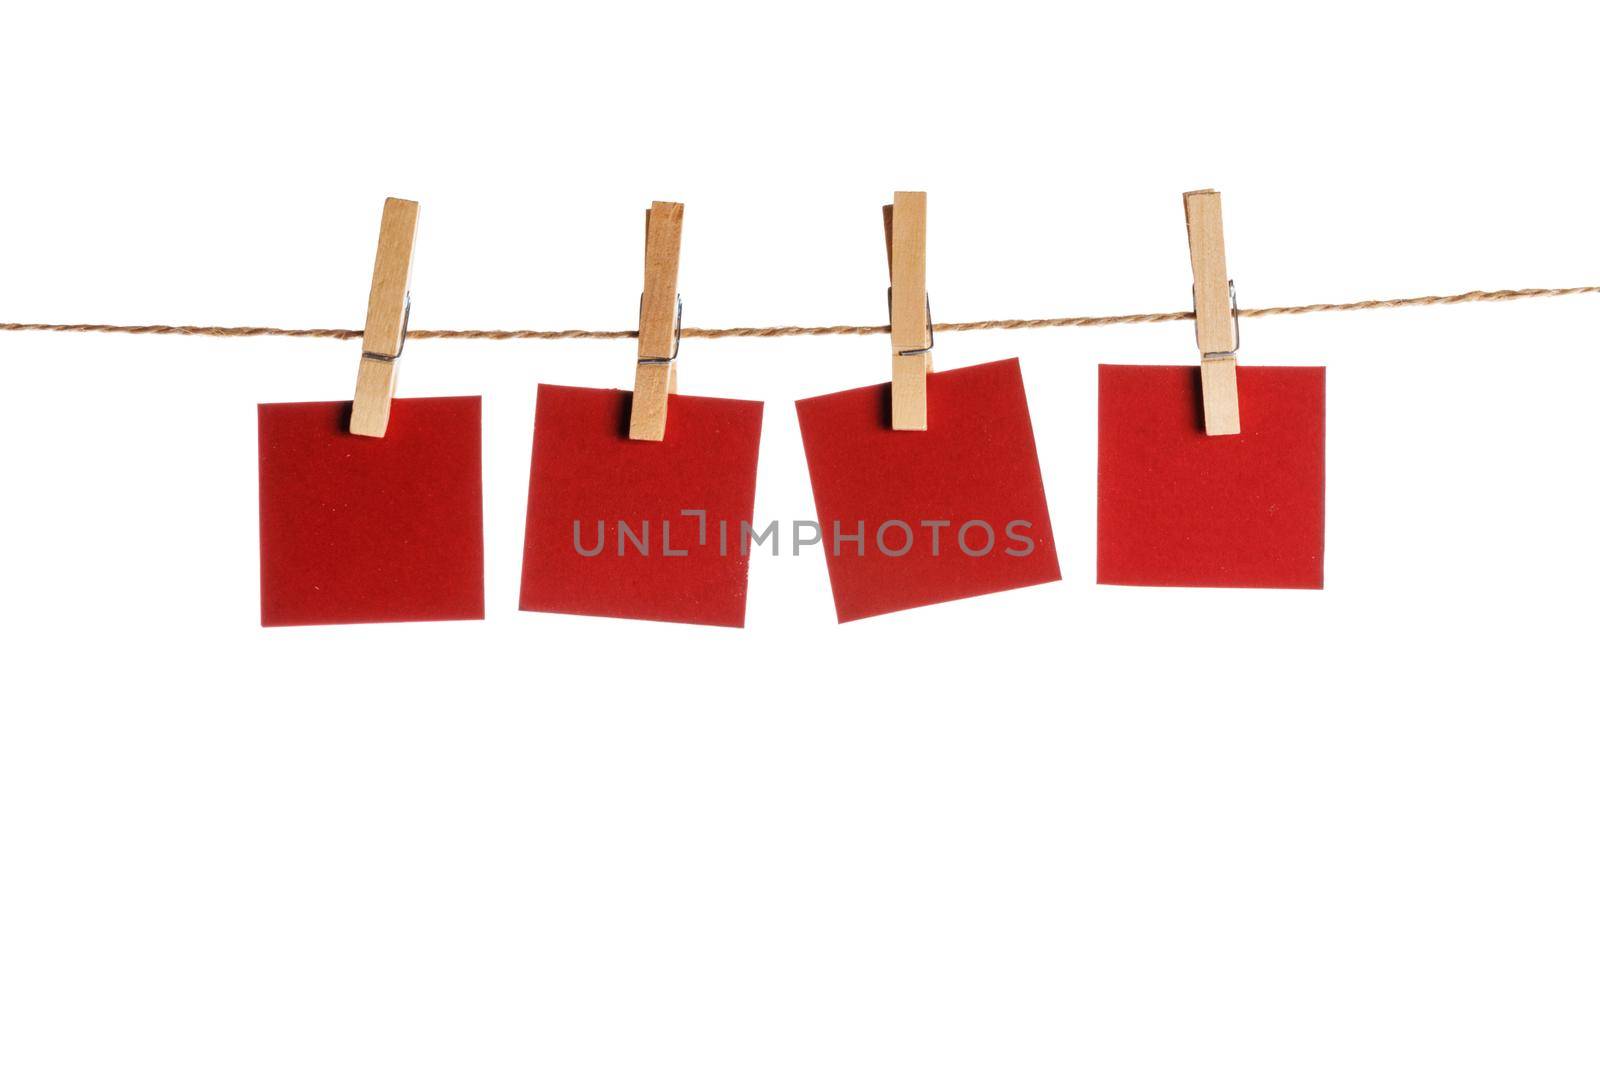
{"points": [[1180, 508], [371, 529], [608, 532], [954, 511]]}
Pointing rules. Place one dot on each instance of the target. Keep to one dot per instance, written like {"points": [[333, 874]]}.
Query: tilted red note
{"points": [[640, 529], [911, 518]]}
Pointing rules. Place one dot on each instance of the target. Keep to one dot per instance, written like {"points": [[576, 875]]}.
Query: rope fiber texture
{"points": [[1474, 297]]}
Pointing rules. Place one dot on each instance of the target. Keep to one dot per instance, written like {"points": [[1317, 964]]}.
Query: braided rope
{"points": [[1473, 297]]}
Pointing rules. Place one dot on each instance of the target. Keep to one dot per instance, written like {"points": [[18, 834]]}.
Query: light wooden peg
{"points": [[910, 332], [388, 307], [1215, 329], [656, 375]]}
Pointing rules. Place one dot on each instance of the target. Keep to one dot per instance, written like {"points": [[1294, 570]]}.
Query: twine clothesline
{"points": [[1473, 297]]}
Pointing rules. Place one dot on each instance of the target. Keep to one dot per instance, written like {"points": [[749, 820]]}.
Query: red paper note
{"points": [[954, 511], [371, 529], [1180, 508], [640, 529]]}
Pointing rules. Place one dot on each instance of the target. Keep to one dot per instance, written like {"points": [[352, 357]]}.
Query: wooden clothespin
{"points": [[1215, 315], [660, 319], [905, 226], [388, 310]]}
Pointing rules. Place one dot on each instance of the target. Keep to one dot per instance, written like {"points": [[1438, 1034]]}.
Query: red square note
{"points": [[953, 511], [608, 532], [371, 529], [1180, 508]]}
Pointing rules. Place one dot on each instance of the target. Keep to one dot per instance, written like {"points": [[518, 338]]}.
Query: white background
{"points": [[1067, 824]]}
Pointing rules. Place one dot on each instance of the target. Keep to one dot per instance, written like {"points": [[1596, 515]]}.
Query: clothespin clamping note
{"points": [[1216, 312], [905, 225], [388, 312], [660, 323]]}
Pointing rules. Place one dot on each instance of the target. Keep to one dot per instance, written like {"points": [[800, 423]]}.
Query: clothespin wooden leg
{"points": [[1215, 328], [656, 375], [910, 328], [1219, 394], [388, 308]]}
